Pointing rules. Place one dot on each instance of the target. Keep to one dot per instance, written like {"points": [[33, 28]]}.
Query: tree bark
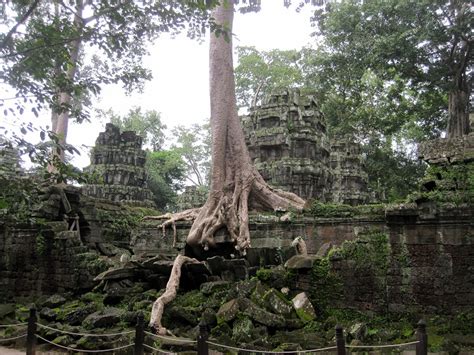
{"points": [[60, 115], [235, 182], [458, 113]]}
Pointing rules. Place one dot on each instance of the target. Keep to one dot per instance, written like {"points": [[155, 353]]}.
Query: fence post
{"points": [[31, 333], [340, 342], [202, 346], [422, 337], [139, 335]]}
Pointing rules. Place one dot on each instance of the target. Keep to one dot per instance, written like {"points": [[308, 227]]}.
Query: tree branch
{"points": [[22, 20]]}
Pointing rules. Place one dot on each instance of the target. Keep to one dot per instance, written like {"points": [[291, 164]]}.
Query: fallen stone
{"points": [[358, 331], [276, 303], [6, 309], [303, 307], [54, 301], [260, 315], [324, 250], [116, 274], [48, 314], [228, 311], [208, 288], [298, 262], [242, 330], [103, 319]]}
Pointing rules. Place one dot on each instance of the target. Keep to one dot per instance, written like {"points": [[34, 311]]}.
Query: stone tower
{"points": [[286, 138], [350, 180], [118, 158]]}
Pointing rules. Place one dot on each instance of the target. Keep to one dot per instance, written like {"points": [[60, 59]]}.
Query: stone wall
{"points": [[40, 260], [119, 161]]}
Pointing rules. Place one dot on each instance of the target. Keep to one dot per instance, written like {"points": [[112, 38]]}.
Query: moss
{"points": [[264, 275], [319, 209], [326, 285]]}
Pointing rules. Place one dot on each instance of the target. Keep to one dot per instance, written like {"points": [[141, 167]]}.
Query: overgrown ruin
{"points": [[413, 258]]}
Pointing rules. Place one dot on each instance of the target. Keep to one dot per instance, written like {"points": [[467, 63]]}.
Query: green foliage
{"points": [[147, 124], [166, 174], [38, 60], [193, 144], [259, 73], [447, 183], [326, 286], [319, 209], [264, 274]]}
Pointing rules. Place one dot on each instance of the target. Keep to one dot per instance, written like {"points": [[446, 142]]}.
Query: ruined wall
{"points": [[118, 159], [43, 259]]}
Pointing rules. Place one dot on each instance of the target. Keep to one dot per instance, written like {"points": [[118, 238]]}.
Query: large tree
{"points": [[426, 43], [236, 185], [44, 58]]}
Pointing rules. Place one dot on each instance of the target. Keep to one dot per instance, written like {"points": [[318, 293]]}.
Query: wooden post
{"points": [[340, 342], [422, 337], [31, 333], [139, 335], [202, 346]]}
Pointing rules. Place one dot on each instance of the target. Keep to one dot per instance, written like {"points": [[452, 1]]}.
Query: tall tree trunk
{"points": [[60, 115], [235, 182], [458, 113]]}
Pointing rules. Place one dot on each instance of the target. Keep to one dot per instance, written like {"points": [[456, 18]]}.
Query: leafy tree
{"points": [[426, 45], [44, 58], [258, 73], [147, 124], [193, 144], [166, 174]]}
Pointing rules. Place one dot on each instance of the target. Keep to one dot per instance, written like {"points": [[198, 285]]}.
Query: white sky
{"points": [[179, 89]]}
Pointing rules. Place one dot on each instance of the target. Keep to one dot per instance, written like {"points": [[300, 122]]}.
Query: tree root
{"points": [[172, 218], [169, 294]]}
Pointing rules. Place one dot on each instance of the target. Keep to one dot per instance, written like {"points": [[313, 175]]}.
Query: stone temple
{"points": [[288, 143], [119, 160]]}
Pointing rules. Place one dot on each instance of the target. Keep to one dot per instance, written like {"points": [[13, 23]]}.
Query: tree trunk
{"points": [[60, 114], [235, 182], [458, 113]]}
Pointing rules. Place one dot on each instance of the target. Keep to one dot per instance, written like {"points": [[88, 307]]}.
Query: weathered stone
{"points": [[260, 315], [208, 288], [48, 314], [358, 331], [298, 262], [242, 330], [324, 250], [303, 307], [116, 274], [76, 317], [228, 311], [120, 161], [54, 301], [276, 303], [7, 310], [104, 318]]}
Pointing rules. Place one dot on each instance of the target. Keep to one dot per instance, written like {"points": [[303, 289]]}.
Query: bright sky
{"points": [[179, 89]]}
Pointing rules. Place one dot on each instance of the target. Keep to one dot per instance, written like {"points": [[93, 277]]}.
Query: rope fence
{"points": [[202, 342]]}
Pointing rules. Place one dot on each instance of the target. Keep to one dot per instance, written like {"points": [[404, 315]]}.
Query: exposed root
{"points": [[169, 294], [172, 218]]}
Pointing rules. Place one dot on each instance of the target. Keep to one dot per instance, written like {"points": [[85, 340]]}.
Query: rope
{"points": [[156, 349], [12, 325], [272, 352], [381, 346], [173, 339], [84, 351], [15, 338], [86, 334]]}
